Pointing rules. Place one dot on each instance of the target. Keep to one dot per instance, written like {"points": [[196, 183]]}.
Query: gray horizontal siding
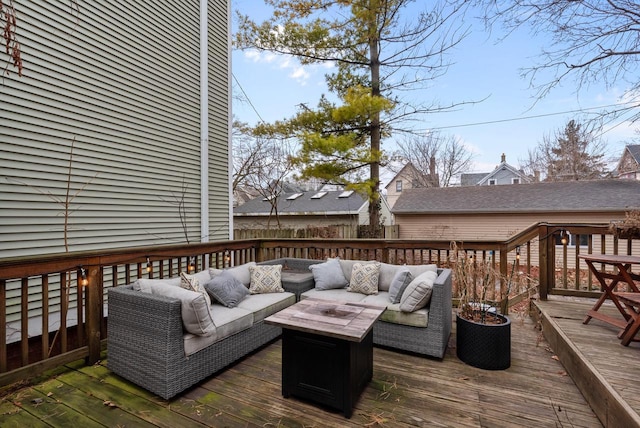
{"points": [[120, 81]]}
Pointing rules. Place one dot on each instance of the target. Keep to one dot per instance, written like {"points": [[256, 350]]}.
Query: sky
{"points": [[510, 120]]}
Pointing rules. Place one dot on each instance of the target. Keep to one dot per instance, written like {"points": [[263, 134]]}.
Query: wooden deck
{"points": [[407, 390], [606, 372]]}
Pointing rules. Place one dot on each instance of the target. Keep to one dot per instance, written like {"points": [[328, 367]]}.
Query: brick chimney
{"points": [[503, 159]]}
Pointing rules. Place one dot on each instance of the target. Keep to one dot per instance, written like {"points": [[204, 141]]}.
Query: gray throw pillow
{"points": [[328, 275], [399, 283], [226, 289]]}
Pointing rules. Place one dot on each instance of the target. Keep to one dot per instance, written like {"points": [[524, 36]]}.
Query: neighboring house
{"points": [[307, 209], [409, 178], [502, 174], [147, 110], [629, 165], [496, 213]]}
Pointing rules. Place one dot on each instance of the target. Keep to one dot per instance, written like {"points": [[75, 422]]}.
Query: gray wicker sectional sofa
{"points": [[422, 330], [148, 344]]}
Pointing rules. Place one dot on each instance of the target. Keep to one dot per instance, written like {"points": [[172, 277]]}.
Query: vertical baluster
{"points": [[3, 324], [79, 310], [24, 321], [45, 316]]}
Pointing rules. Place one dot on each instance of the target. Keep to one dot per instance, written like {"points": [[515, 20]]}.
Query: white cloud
{"points": [[300, 74]]}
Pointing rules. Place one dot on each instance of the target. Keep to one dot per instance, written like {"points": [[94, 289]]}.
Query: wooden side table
{"points": [[632, 303]]}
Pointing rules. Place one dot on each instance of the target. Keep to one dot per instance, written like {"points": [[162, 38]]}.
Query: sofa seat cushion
{"points": [[340, 295], [393, 314], [380, 299], [228, 321], [263, 305]]}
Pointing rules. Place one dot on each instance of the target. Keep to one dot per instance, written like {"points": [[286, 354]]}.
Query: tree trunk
{"points": [[374, 198]]}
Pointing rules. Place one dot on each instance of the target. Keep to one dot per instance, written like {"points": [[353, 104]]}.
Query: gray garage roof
{"points": [[600, 195], [305, 203]]}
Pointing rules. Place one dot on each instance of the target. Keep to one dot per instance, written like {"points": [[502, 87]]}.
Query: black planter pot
{"points": [[486, 346]]}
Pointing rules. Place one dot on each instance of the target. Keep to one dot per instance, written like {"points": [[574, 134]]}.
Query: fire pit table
{"points": [[327, 350]]}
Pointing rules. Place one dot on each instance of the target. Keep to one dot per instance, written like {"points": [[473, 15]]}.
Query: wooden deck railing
{"points": [[54, 307]]}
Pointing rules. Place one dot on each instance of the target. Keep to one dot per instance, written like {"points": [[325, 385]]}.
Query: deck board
{"points": [[406, 391], [615, 366]]}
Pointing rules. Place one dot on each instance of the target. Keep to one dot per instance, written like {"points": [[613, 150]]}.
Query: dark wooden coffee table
{"points": [[327, 350]]}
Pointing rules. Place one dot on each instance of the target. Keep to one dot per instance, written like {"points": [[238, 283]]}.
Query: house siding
{"points": [[120, 82], [497, 226]]}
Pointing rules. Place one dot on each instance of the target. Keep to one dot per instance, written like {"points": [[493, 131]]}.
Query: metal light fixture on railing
{"points": [[84, 281], [517, 253], [149, 267], [563, 237], [192, 264]]}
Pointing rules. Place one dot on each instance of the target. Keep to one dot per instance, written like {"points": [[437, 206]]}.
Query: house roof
{"points": [[408, 170], [472, 179], [634, 151], [503, 166], [567, 196], [304, 203]]}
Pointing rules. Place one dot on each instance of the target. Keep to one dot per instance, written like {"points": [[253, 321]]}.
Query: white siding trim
{"points": [[204, 123]]}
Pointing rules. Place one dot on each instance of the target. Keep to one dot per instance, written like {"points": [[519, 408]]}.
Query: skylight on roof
{"points": [[268, 198], [345, 194], [294, 196], [319, 195]]}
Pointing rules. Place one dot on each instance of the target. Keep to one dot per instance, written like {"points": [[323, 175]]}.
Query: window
{"points": [[345, 194], [294, 196], [573, 239], [399, 186], [319, 195], [515, 181], [492, 182]]}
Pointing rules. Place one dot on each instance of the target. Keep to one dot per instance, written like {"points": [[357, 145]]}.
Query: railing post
{"points": [[93, 306], [545, 260]]}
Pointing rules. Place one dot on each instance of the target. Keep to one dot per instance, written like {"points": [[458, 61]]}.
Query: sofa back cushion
{"points": [[196, 312], [241, 272]]}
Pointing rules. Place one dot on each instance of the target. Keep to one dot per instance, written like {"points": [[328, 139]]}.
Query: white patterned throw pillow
{"points": [[191, 282], [266, 279], [364, 278]]}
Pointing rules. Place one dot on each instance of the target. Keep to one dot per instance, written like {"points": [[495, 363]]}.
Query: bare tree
{"points": [[437, 158], [261, 165], [569, 154], [591, 42]]}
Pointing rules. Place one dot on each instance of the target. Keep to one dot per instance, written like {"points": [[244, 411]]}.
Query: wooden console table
{"points": [[327, 350], [609, 281]]}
